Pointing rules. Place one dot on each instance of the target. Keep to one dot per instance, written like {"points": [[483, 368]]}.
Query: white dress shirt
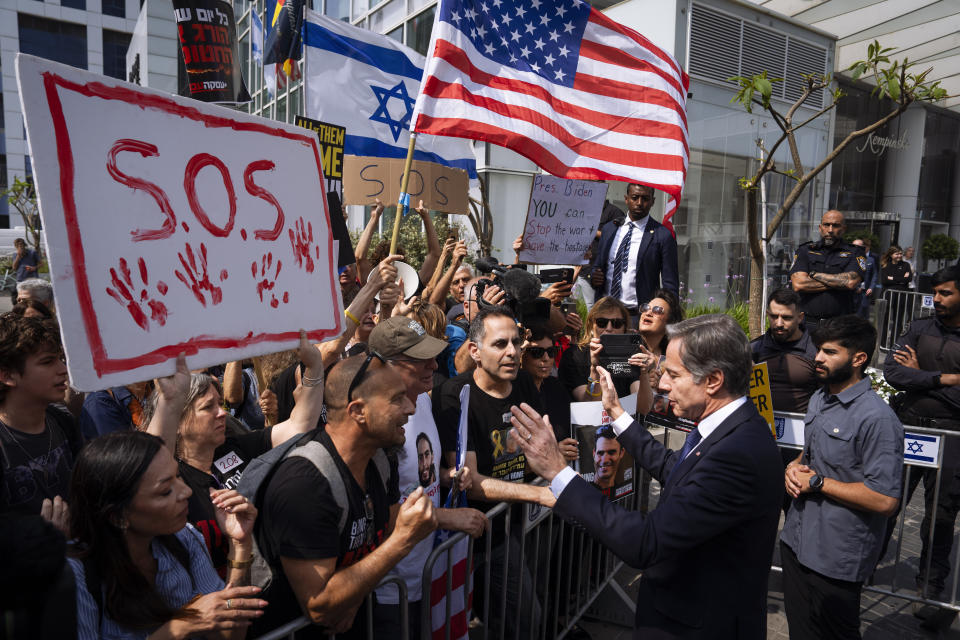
{"points": [[706, 426], [629, 279]]}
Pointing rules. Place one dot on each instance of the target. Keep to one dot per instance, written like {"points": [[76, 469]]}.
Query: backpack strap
{"points": [[321, 458], [260, 468], [382, 463]]}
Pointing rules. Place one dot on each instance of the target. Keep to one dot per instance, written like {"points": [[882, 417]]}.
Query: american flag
{"points": [[668, 211], [560, 83]]}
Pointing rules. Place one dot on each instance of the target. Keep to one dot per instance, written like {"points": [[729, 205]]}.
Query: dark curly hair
{"points": [[21, 338]]}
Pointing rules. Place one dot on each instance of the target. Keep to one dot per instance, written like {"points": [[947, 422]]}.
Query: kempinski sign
{"points": [[878, 144]]}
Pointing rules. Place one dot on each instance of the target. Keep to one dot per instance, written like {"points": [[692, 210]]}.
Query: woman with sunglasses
{"points": [[187, 413], [539, 354], [139, 568], [663, 309], [577, 366]]}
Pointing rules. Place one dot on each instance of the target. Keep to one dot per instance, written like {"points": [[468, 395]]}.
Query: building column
{"points": [[902, 174]]}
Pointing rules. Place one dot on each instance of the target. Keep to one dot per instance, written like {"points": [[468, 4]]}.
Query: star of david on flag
{"points": [[368, 83], [560, 83]]}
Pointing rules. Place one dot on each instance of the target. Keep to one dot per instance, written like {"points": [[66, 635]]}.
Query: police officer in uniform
{"points": [[828, 273]]}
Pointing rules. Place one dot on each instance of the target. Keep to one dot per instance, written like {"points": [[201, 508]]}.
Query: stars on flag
{"points": [[529, 35]]}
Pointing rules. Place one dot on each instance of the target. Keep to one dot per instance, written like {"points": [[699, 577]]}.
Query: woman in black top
{"points": [[576, 370], [895, 275], [895, 272], [207, 457], [539, 353]]}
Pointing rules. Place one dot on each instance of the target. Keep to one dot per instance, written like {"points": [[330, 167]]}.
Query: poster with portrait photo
{"points": [[603, 461], [661, 415]]}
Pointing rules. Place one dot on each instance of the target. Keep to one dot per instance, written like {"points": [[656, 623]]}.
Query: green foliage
{"points": [[23, 197], [412, 238], [739, 312], [895, 80], [751, 86], [864, 234], [940, 246]]}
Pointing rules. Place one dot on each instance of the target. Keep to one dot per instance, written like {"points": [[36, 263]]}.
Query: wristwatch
{"points": [[816, 482], [936, 381]]}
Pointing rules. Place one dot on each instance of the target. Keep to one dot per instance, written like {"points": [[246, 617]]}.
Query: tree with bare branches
{"points": [[895, 80]]}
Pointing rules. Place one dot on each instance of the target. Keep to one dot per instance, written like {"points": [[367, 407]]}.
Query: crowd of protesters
{"points": [[138, 511]]}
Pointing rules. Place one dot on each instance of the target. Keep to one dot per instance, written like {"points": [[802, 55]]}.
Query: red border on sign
{"points": [[102, 362]]}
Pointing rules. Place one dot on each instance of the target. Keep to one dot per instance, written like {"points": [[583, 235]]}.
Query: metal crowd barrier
{"points": [[569, 570], [896, 310], [924, 453], [555, 568]]}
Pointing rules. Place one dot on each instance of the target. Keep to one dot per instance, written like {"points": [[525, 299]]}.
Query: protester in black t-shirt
{"points": [[496, 384], [208, 459], [325, 568], [38, 442], [381, 280]]}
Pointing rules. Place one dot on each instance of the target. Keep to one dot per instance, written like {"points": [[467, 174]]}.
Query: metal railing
{"points": [[895, 310], [569, 569], [529, 556], [931, 456]]}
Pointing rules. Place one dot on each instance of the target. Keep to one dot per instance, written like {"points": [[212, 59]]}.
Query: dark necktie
{"points": [[693, 439], [620, 264]]}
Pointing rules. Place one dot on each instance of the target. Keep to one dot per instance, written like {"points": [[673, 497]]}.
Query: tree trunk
{"points": [[757, 266]]}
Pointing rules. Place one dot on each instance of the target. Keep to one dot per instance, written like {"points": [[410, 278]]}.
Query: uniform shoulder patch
{"points": [[862, 262]]}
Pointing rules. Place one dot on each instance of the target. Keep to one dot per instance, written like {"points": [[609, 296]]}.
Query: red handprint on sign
{"points": [[301, 240], [195, 267], [266, 282], [125, 292]]}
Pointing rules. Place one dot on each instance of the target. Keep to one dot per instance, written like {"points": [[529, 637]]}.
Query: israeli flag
{"points": [[256, 46], [369, 83]]}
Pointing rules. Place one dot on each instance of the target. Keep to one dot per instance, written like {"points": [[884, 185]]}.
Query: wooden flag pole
{"points": [[404, 196]]}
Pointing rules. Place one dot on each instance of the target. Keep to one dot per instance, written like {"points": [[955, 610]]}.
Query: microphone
{"points": [[489, 264]]}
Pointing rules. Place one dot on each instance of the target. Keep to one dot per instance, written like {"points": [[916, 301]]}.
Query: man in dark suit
{"points": [[635, 254], [706, 549]]}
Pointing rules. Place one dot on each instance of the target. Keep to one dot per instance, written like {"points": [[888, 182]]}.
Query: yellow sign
{"points": [[760, 393]]}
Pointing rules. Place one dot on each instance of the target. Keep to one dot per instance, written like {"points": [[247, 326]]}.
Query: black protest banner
{"points": [[208, 40]]}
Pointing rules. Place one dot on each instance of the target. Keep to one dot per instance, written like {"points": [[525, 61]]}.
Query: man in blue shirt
{"points": [[845, 483], [24, 263]]}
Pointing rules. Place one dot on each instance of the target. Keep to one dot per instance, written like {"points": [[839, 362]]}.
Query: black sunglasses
{"points": [[539, 352], [616, 323], [657, 310], [362, 371]]}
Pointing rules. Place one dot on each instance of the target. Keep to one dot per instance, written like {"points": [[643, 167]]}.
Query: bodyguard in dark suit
{"points": [[706, 549], [635, 254]]}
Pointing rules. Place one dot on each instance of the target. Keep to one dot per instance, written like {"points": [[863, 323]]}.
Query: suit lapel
{"points": [[724, 429], [648, 232]]}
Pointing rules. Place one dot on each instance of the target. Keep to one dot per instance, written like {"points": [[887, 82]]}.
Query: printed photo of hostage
{"points": [[604, 462], [661, 415]]}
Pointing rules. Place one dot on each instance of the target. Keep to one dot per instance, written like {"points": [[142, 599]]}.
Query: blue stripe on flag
{"points": [[362, 146], [387, 60], [918, 438]]}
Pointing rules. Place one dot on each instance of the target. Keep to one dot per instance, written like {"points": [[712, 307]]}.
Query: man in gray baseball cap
{"points": [[412, 352]]}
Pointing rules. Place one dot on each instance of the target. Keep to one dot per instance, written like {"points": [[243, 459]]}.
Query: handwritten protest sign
{"points": [[760, 393], [441, 188], [562, 220], [331, 139], [174, 225]]}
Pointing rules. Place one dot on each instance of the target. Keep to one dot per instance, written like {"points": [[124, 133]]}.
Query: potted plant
{"points": [[939, 248]]}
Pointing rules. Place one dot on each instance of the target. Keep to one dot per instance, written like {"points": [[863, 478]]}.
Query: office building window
{"points": [[59, 41], [115, 46], [114, 8], [74, 4], [419, 29]]}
